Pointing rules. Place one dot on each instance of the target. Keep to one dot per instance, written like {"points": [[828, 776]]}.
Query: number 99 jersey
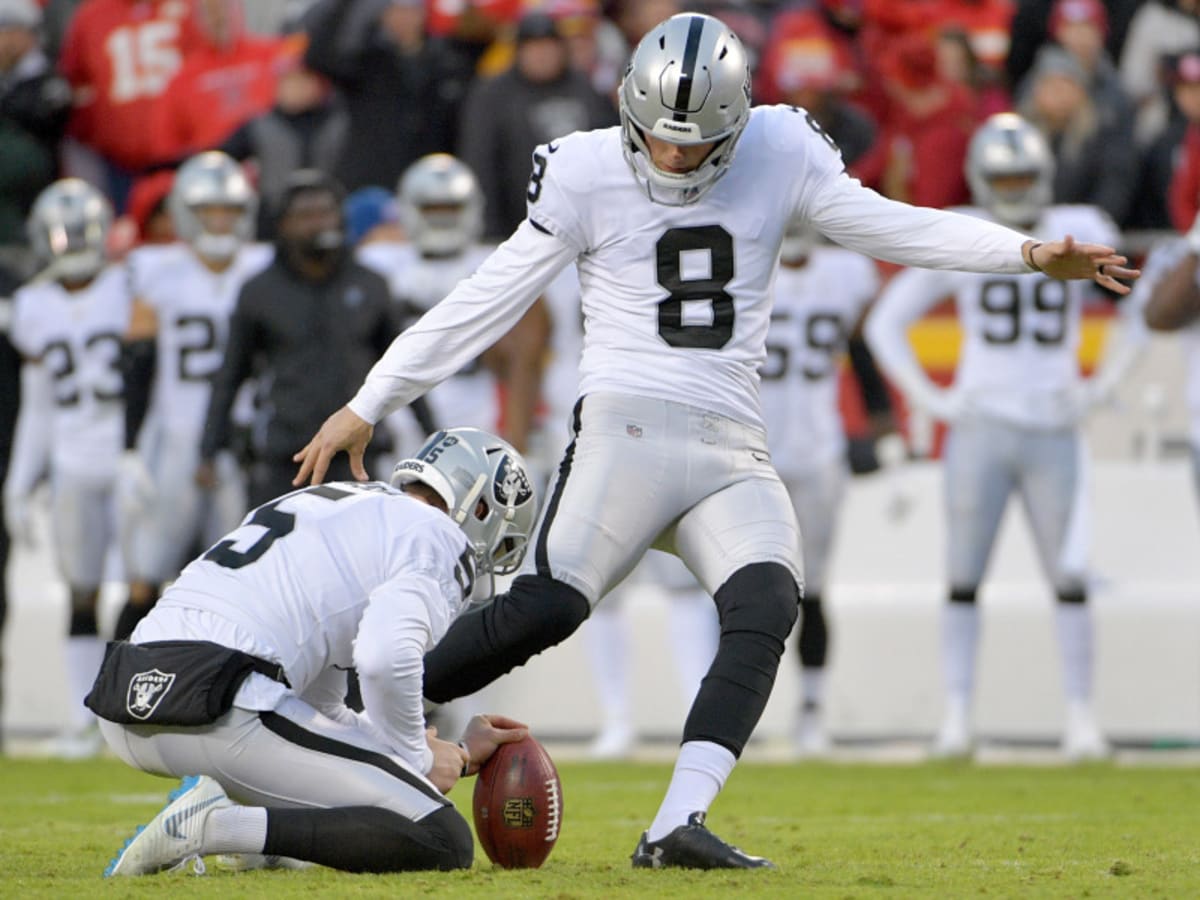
{"points": [[677, 298], [1019, 357], [817, 306]]}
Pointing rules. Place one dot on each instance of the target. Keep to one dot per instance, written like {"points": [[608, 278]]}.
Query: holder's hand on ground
{"points": [[485, 733], [1068, 259], [449, 761], [342, 431]]}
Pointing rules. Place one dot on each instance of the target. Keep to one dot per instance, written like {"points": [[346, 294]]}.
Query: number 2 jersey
{"points": [[193, 305], [323, 578], [77, 337], [1019, 356], [816, 308], [676, 300]]}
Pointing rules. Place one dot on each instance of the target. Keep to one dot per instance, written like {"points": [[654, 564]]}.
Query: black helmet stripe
{"points": [[691, 49]]}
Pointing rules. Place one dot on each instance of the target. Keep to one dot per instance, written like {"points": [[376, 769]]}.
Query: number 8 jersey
{"points": [[1019, 357]]}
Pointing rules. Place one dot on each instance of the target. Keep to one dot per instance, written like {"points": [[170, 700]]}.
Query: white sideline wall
{"points": [[884, 600]]}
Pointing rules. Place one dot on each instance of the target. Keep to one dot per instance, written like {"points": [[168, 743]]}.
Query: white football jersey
{"points": [[470, 397], [676, 300], [1019, 357], [295, 580], [193, 305], [816, 308], [78, 338]]}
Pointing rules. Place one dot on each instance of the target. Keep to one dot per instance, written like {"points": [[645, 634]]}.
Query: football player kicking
{"points": [[67, 324], [675, 219], [184, 295], [236, 678], [1014, 412], [821, 294]]}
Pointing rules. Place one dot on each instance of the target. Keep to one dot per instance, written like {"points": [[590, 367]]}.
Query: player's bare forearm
{"points": [[1175, 301], [344, 430]]}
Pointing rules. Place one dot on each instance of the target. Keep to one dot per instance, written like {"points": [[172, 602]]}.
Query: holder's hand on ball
{"points": [[485, 733], [449, 761]]}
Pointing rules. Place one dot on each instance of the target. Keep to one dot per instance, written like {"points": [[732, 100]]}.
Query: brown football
{"points": [[518, 805]]}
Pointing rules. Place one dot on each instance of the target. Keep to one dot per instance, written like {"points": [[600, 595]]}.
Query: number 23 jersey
{"points": [[677, 300]]}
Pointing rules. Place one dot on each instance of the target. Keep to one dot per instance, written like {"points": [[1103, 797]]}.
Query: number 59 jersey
{"points": [[816, 308], [77, 337], [1019, 356], [193, 305]]}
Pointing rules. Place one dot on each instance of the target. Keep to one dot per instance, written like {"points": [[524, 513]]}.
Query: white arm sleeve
{"points": [[858, 218], [904, 300], [31, 442], [472, 317], [396, 630], [327, 695]]}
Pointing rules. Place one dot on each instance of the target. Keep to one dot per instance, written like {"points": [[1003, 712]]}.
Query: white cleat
{"points": [[1082, 740], [176, 833], [614, 742], [249, 862], [953, 739]]}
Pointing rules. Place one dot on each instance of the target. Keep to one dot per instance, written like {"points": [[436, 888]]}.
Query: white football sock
{"points": [[84, 654], [701, 770], [694, 633], [606, 635], [960, 640], [812, 687], [1075, 644], [236, 829]]}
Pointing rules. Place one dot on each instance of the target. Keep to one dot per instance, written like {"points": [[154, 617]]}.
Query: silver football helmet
{"points": [[1008, 146], [441, 205], [212, 179], [68, 230], [487, 490], [688, 82]]}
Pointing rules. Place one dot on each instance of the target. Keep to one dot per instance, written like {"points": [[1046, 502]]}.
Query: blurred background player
{"points": [[1170, 300], [184, 295], [821, 294], [1015, 412], [67, 325], [441, 208]]}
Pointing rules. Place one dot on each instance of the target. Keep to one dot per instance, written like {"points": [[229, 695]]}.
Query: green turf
{"points": [[835, 831]]}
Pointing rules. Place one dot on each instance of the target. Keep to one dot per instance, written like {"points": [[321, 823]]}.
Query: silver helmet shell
{"points": [[1007, 145], [212, 179], [688, 82], [441, 205], [68, 229], [487, 490]]}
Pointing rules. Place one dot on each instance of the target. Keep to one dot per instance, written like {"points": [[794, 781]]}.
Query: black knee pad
{"points": [[963, 594], [536, 613], [758, 606], [450, 830], [814, 634]]}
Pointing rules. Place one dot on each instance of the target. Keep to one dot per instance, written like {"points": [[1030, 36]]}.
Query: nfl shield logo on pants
{"points": [[146, 690]]}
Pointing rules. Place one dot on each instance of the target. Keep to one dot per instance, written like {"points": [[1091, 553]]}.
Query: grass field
{"points": [[836, 830]]}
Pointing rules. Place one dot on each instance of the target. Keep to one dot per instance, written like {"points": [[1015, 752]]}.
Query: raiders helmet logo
{"points": [[146, 691], [511, 484]]}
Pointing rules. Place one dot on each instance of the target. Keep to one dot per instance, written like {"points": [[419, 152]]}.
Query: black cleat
{"points": [[692, 846]]}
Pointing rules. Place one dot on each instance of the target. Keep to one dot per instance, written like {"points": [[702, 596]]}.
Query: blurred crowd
{"points": [[120, 92]]}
